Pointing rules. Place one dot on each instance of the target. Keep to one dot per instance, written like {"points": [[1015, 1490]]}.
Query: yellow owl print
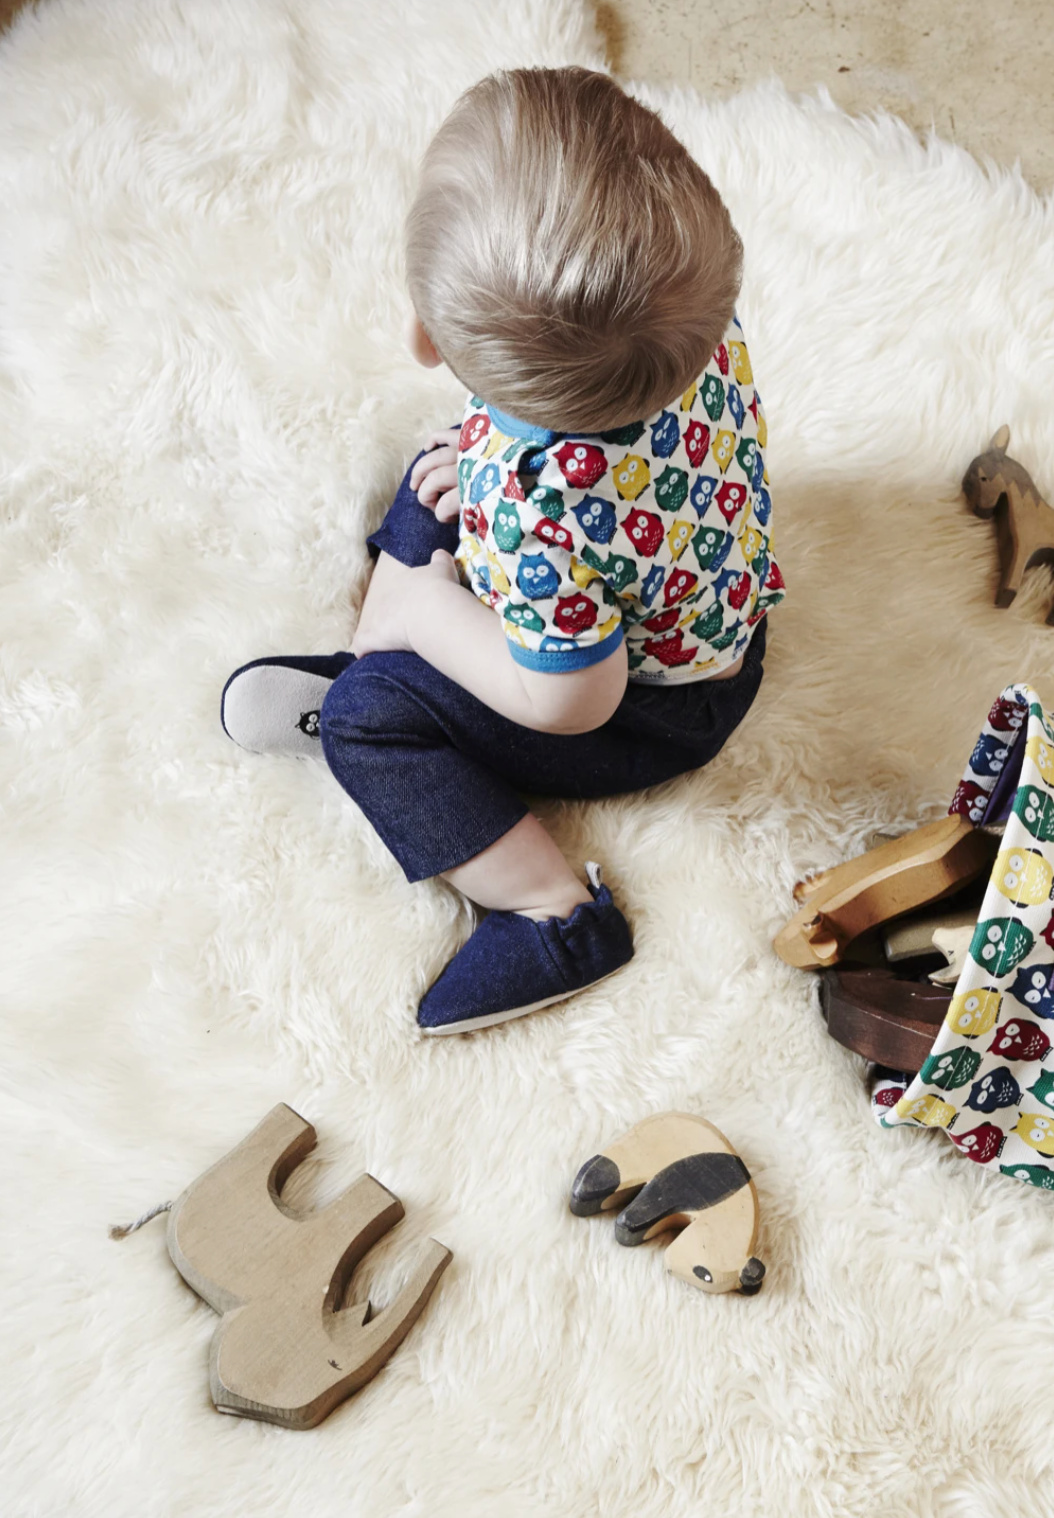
{"points": [[631, 477], [1023, 876], [737, 352], [973, 1012], [689, 396], [495, 443], [928, 1110], [498, 578], [721, 448], [1037, 1131], [678, 538], [763, 430], [750, 543], [607, 628], [1041, 752], [582, 573]]}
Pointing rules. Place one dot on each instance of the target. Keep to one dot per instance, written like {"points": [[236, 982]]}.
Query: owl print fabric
{"points": [[989, 1078], [659, 532]]}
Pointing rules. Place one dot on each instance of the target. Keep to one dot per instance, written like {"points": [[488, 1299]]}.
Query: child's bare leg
{"points": [[524, 872]]}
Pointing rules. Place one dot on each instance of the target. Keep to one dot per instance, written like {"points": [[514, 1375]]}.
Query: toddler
{"points": [[570, 589]]}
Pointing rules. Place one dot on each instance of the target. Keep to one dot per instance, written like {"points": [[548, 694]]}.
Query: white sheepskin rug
{"points": [[204, 405]]}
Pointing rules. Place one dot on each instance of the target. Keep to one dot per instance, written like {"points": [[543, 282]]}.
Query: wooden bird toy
{"points": [[839, 904], [888, 1020], [676, 1171], [286, 1349], [997, 485]]}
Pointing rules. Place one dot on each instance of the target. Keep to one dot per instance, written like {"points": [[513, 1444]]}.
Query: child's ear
{"points": [[420, 344]]}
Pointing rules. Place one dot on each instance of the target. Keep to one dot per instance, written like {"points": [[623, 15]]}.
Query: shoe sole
{"points": [[470, 1024], [258, 704]]}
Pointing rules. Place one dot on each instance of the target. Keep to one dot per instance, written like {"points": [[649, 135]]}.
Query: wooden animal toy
{"points": [[839, 904], [676, 1171], [888, 1020], [954, 943], [915, 937], [997, 485], [287, 1350]]}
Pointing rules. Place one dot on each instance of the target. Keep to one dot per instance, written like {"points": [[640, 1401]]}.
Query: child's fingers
{"points": [[448, 507], [435, 483], [440, 459]]}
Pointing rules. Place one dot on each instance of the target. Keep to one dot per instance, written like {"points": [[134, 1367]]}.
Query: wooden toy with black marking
{"points": [[996, 485], [676, 1171]]}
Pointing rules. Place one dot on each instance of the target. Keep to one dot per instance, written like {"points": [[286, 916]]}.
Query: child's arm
{"points": [[429, 612]]}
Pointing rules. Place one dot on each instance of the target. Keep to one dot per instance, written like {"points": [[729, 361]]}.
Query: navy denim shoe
{"points": [[272, 706], [513, 965]]}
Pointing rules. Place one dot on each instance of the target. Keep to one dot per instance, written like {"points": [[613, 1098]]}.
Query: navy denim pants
{"points": [[439, 774]]}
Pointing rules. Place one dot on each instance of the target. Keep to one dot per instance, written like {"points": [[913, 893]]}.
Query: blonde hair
{"points": [[569, 259]]}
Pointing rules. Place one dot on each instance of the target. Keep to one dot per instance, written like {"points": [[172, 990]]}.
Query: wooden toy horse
{"points": [[996, 485], [677, 1171]]}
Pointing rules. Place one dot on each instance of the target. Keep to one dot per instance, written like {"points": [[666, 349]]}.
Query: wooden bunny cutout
{"points": [[996, 485]]}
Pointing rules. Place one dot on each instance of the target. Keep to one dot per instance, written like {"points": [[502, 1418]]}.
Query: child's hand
{"points": [[394, 594], [434, 477]]}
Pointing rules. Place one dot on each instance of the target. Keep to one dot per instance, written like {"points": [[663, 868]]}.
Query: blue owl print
{"points": [[989, 755], [757, 479], [735, 405], [762, 500], [487, 480], [550, 645], [652, 585], [665, 435], [702, 494], [996, 1089], [536, 577], [597, 519], [1032, 987]]}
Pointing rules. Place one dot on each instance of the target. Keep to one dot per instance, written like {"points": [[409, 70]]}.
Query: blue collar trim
{"points": [[511, 426]]}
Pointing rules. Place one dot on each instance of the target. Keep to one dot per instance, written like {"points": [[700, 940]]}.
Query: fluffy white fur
{"points": [[204, 404]]}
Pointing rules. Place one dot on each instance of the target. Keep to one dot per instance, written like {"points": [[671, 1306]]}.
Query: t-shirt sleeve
{"points": [[560, 614]]}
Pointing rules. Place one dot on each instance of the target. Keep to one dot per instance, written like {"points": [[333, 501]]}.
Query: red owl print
{"points": [[660, 623], [774, 579], [581, 463], [552, 532], [731, 498], [644, 530], [753, 407], [1007, 716], [574, 614], [473, 429], [669, 649], [722, 359], [969, 801], [696, 442], [475, 521], [738, 593], [513, 489], [679, 584], [1019, 1039], [980, 1144], [1048, 933]]}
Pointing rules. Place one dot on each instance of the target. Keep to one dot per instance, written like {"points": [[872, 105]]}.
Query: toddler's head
{"points": [[566, 256]]}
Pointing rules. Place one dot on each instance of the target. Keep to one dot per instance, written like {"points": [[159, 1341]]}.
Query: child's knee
{"points": [[364, 702]]}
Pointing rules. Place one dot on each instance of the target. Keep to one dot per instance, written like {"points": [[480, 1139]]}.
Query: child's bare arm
{"points": [[427, 611]]}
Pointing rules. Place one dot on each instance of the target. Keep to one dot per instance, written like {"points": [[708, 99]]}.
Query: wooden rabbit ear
{"points": [[1001, 441]]}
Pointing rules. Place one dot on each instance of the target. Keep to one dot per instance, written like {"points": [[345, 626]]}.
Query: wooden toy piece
{"points": [[925, 865], [914, 937], [676, 1171], [954, 943], [286, 1349], [887, 1020], [996, 485]]}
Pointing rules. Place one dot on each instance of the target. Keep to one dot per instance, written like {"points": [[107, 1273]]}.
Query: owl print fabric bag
{"points": [[989, 1078]]}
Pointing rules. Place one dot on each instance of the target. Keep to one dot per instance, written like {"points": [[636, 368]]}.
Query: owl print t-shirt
{"points": [[659, 532]]}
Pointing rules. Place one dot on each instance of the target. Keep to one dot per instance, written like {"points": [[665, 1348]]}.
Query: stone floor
{"points": [[978, 70]]}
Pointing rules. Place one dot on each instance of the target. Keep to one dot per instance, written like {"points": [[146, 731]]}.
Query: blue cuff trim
{"points": [[552, 663], [513, 427]]}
